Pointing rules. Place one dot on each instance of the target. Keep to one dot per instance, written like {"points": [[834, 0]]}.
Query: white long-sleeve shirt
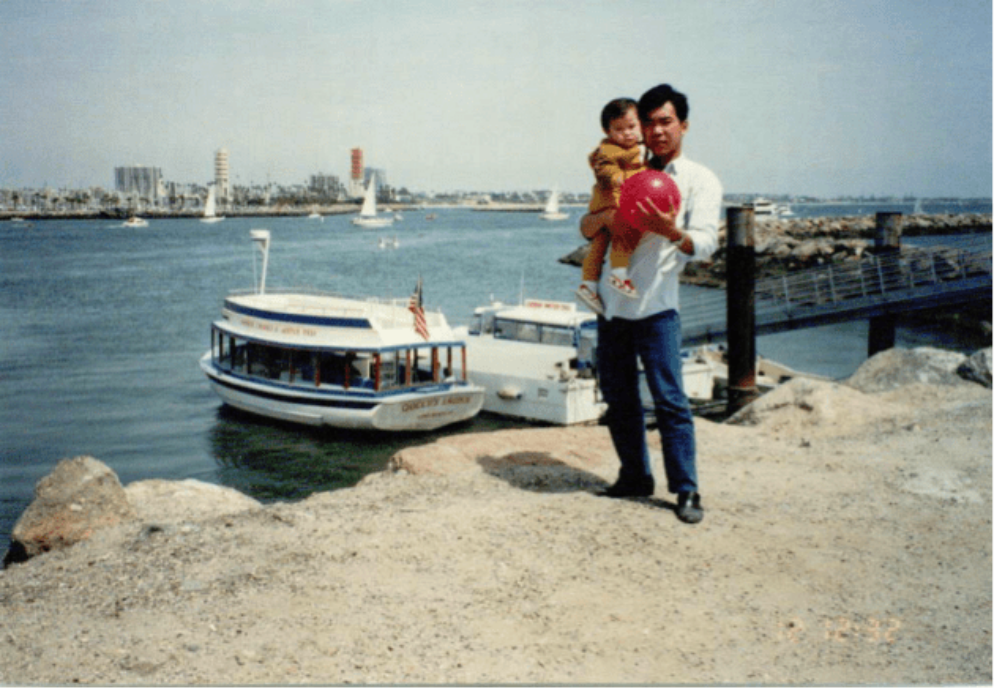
{"points": [[656, 263]]}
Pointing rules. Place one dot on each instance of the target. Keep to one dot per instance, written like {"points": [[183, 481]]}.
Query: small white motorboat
{"points": [[537, 361], [135, 221]]}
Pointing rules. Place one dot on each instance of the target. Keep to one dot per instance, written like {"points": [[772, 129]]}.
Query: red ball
{"points": [[648, 184]]}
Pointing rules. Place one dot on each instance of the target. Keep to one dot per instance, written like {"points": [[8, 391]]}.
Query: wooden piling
{"points": [[741, 306], [882, 333]]}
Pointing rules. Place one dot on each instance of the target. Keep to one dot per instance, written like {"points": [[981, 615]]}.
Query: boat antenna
{"points": [[261, 240]]}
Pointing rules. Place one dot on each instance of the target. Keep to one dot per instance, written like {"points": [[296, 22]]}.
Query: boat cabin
{"points": [[553, 323], [310, 343]]}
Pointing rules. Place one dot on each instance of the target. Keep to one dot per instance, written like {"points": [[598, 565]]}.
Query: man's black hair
{"points": [[657, 97]]}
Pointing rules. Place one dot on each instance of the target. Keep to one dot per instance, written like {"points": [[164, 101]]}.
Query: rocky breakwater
{"points": [[784, 246], [847, 540], [795, 244]]}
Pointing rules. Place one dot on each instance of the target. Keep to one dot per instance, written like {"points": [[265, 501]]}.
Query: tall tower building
{"points": [[355, 180], [222, 176]]}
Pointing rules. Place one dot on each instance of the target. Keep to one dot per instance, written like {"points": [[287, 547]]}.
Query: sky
{"points": [[805, 97]]}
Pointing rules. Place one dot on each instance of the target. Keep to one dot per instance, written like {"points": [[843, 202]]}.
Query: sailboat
{"points": [[552, 211], [367, 215], [210, 213]]}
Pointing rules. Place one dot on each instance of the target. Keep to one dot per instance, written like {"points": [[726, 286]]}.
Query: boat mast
{"points": [[261, 240]]}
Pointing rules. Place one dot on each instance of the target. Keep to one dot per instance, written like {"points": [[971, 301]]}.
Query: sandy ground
{"points": [[847, 540]]}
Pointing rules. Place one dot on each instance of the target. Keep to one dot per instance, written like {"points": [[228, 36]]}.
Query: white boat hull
{"points": [[427, 410], [541, 388]]}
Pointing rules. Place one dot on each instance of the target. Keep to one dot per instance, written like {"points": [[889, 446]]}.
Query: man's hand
{"points": [[592, 223], [656, 221]]}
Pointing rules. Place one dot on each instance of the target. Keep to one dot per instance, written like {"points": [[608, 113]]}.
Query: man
{"points": [[647, 328]]}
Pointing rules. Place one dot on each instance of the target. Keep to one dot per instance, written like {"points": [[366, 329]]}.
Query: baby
{"points": [[618, 157]]}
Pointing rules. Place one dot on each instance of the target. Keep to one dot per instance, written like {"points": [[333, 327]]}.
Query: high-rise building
{"points": [[138, 179], [222, 177], [382, 187], [356, 179], [326, 185]]}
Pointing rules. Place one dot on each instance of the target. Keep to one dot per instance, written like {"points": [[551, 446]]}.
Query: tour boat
{"points": [[327, 360], [537, 361]]}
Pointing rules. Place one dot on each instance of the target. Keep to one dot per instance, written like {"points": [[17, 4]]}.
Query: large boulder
{"points": [[893, 368], [162, 502], [809, 408], [79, 497]]}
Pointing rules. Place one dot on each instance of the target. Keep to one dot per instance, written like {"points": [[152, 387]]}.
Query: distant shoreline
{"points": [[350, 208], [151, 214]]}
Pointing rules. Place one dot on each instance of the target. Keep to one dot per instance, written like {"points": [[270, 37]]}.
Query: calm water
{"points": [[103, 327]]}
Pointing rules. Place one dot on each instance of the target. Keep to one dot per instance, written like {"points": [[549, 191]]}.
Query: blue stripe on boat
{"points": [[294, 399], [298, 318]]}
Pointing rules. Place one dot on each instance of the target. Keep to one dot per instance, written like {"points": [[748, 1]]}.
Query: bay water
{"points": [[102, 328]]}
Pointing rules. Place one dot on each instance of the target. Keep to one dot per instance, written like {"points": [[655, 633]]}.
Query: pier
{"points": [[890, 283], [882, 285]]}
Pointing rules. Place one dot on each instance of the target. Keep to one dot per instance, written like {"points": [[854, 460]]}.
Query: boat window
{"points": [[513, 330], [586, 351], [391, 370], [556, 335], [332, 366], [534, 332], [267, 362], [421, 364], [240, 357], [483, 323]]}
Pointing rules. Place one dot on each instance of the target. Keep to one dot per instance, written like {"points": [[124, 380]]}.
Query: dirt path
{"points": [[847, 540]]}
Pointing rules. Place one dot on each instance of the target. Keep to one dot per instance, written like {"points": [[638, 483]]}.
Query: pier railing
{"points": [[912, 279]]}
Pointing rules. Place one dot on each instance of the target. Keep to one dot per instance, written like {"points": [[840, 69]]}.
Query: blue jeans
{"points": [[656, 342]]}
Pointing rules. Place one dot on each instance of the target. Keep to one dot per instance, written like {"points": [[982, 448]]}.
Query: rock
{"points": [[805, 408], [80, 496], [977, 367], [169, 502], [575, 257], [893, 368]]}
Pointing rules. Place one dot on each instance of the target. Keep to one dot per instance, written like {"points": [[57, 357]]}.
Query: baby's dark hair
{"points": [[615, 109]]}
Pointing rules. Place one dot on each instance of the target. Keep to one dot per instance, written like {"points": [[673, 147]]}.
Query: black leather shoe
{"points": [[688, 508], [642, 488]]}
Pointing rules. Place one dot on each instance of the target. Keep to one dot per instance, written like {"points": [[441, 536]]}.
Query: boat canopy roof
{"points": [[559, 313], [326, 322]]}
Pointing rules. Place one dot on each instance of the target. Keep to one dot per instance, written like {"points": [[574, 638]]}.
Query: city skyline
{"points": [[824, 97]]}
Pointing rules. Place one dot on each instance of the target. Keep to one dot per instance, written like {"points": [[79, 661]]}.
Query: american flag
{"points": [[416, 307]]}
